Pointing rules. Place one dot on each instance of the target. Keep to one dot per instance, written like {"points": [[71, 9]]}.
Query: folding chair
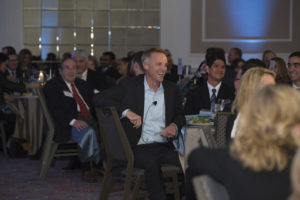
{"points": [[3, 138], [50, 149], [220, 128], [117, 148], [207, 188]]}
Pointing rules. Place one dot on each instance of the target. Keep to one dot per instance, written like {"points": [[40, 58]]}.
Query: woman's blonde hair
{"points": [[251, 80], [295, 177], [264, 134]]}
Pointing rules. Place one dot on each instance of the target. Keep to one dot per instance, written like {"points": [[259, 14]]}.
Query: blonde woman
{"points": [[257, 163], [253, 79]]}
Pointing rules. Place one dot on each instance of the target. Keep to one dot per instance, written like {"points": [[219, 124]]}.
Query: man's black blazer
{"points": [[129, 94], [63, 107], [96, 80], [199, 98]]}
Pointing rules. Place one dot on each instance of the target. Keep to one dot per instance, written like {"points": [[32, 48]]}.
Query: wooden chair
{"points": [[50, 148], [117, 148], [208, 189], [220, 128], [3, 138]]}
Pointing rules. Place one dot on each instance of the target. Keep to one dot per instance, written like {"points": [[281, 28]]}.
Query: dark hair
{"points": [[3, 58], [210, 60], [238, 51], [22, 54], [9, 49], [110, 54], [66, 55], [251, 63], [51, 56], [215, 52], [127, 60], [137, 57], [235, 63], [295, 54], [266, 52]]}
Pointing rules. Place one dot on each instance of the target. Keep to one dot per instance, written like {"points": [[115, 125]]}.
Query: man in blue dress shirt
{"points": [[151, 113]]}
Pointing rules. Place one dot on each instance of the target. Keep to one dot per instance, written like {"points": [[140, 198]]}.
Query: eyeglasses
{"points": [[296, 65]]}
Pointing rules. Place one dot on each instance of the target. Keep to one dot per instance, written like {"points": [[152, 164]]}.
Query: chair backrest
{"points": [[47, 115], [206, 137], [207, 188], [220, 128], [113, 136]]}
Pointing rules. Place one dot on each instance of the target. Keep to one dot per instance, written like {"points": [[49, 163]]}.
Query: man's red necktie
{"points": [[83, 109]]}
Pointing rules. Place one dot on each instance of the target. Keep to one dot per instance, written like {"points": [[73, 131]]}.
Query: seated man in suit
{"points": [[151, 113], [69, 102], [96, 80], [107, 64], [207, 93]]}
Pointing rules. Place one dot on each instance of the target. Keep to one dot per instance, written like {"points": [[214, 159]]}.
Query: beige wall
{"points": [[175, 34]]}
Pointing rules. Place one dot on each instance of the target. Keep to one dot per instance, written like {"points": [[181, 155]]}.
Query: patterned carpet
{"points": [[19, 180]]}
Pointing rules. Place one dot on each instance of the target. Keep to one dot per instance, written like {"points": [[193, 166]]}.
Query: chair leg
{"points": [[176, 186], [107, 182], [47, 159], [45, 153], [3, 140]]}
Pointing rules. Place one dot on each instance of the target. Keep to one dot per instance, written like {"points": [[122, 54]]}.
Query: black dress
{"points": [[240, 182]]}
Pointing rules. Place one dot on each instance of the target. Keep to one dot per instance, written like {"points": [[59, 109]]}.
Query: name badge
{"points": [[68, 94]]}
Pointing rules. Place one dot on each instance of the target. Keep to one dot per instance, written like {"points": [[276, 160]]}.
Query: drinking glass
{"points": [[219, 106]]}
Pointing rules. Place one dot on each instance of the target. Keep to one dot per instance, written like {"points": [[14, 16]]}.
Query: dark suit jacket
{"points": [[9, 86], [199, 98], [96, 80], [64, 108], [130, 94], [112, 72], [172, 75]]}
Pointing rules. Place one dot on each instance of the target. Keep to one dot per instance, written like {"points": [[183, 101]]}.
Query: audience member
{"points": [[171, 74], [278, 66], [92, 63], [96, 80], [233, 54], [237, 64], [257, 163], [249, 64], [151, 113], [5, 113], [124, 68], [206, 94], [294, 69], [14, 74], [69, 102], [136, 64], [253, 79], [6, 88], [229, 73], [267, 56], [108, 64], [29, 72]]}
